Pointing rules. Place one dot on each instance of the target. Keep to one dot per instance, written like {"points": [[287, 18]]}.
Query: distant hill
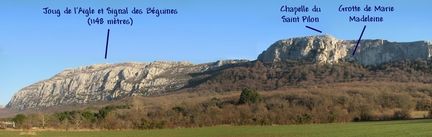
{"points": [[4, 113]]}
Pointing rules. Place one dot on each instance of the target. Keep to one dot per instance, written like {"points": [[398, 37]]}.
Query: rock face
{"points": [[108, 82], [327, 49], [375, 52]]}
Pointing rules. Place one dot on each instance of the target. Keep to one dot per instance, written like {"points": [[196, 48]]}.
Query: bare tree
{"points": [[42, 119], [77, 120]]}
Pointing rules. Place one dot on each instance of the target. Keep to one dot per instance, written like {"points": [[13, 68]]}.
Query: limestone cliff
{"points": [[327, 49], [107, 82]]}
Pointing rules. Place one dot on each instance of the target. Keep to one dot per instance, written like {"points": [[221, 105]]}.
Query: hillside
{"points": [[271, 76], [4, 112], [320, 103], [292, 62], [107, 82]]}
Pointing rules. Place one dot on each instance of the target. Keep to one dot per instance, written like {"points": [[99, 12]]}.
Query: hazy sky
{"points": [[34, 46]]}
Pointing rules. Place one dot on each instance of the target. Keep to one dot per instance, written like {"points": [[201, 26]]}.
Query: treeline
{"points": [[272, 76], [88, 118], [291, 106]]}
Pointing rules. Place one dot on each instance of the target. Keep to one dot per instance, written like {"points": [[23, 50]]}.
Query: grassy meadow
{"points": [[403, 128]]}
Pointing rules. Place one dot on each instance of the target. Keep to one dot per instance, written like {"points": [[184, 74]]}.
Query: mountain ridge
{"points": [[327, 49], [109, 81], [115, 81]]}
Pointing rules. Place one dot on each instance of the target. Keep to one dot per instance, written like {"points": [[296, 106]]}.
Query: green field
{"points": [[415, 128]]}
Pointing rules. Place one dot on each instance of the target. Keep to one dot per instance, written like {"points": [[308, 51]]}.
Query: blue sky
{"points": [[34, 46]]}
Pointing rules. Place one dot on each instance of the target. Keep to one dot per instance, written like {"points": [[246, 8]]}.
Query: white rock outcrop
{"points": [[108, 82], [327, 49]]}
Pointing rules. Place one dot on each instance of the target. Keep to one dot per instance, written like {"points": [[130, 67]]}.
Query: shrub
{"points": [[89, 116], [249, 96], [429, 114], [19, 119], [402, 114], [304, 118]]}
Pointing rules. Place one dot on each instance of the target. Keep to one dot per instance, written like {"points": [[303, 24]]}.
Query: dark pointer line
{"points": [[106, 47], [314, 29], [358, 41]]}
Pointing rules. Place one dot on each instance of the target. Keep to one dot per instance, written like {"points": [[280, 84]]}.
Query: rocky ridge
{"points": [[108, 82], [114, 81], [328, 49]]}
